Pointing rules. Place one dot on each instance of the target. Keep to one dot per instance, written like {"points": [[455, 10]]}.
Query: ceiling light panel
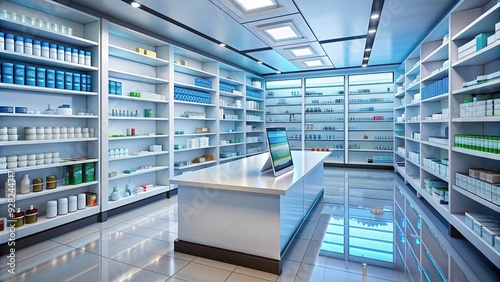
{"points": [[251, 5], [313, 63], [302, 52], [253, 10], [282, 32]]}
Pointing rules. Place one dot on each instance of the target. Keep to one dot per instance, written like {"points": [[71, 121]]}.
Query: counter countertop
{"points": [[244, 175]]}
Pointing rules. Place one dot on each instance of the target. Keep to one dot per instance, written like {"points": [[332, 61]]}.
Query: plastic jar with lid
{"points": [[28, 46], [74, 56], [2, 41], [60, 53], [19, 218], [37, 48], [31, 215], [37, 184], [81, 57], [62, 206], [19, 47], [51, 209], [53, 51], [9, 42], [45, 49]]}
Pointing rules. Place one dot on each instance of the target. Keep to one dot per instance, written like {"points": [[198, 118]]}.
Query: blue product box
{"points": [[7, 72], [40, 77], [83, 82], [112, 87], [51, 78], [59, 79], [21, 110], [19, 74], [30, 76], [68, 80], [76, 81], [89, 83], [118, 88]]}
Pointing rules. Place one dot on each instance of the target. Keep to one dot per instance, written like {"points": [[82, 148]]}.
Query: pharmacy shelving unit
{"points": [[255, 141], [370, 119], [231, 113], [85, 112], [190, 67], [126, 154], [324, 116], [399, 119], [285, 107], [424, 252], [451, 114]]}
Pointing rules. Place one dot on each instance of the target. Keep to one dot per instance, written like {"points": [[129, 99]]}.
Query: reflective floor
{"points": [[351, 228]]}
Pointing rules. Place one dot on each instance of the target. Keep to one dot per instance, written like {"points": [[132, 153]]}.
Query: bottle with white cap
{"points": [[25, 184]]}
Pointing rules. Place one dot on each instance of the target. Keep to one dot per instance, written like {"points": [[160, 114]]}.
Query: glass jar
{"points": [[37, 185], [51, 182], [31, 215]]}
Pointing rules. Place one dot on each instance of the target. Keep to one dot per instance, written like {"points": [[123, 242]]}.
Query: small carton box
{"points": [[474, 172], [489, 233], [482, 174], [491, 39], [482, 40], [467, 45], [65, 178], [88, 172], [492, 177], [91, 199], [150, 53], [497, 243], [155, 148], [75, 174], [139, 50]]}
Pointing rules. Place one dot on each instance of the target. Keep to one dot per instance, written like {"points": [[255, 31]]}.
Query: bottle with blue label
{"points": [[76, 81], [68, 80], [7, 72], [59, 79], [19, 74], [40, 77], [51, 79], [30, 76]]}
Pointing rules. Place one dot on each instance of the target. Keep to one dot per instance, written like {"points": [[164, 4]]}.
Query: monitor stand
{"points": [[267, 166]]}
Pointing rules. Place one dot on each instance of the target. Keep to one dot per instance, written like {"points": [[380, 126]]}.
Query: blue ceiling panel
{"points": [[275, 60], [345, 54]]}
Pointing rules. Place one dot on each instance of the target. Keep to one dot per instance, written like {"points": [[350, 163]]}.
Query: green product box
{"points": [[88, 172], [75, 174], [482, 40], [65, 180], [135, 94]]}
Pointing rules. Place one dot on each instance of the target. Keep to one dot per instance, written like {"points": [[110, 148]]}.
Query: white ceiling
{"points": [[337, 30]]}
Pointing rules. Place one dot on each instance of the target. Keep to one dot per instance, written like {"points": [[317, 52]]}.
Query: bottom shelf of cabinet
{"points": [[44, 223], [157, 189], [372, 164]]}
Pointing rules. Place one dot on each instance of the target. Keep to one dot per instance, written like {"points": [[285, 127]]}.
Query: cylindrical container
{"points": [[47, 130], [55, 130], [67, 54], [53, 51], [37, 184], [40, 162], [25, 184], [63, 136], [45, 50], [51, 209], [4, 137], [74, 56], [92, 132], [31, 215], [76, 81], [28, 46], [51, 181], [30, 76], [48, 136], [9, 42], [12, 164], [12, 130], [40, 130], [37, 48], [78, 135], [2, 41], [60, 53], [40, 77], [47, 161], [47, 155], [22, 164], [70, 135], [60, 79], [31, 163], [68, 80], [70, 129], [29, 136], [82, 201], [40, 156], [56, 160], [3, 159], [77, 129], [81, 57], [3, 130], [18, 217], [31, 157], [88, 58], [72, 203], [13, 137], [7, 72], [51, 79], [19, 74], [19, 45], [63, 129], [56, 136], [55, 154], [22, 157], [62, 206]]}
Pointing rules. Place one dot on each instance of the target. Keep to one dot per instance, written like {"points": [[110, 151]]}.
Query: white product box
{"points": [[493, 75], [467, 46], [491, 39], [155, 148], [467, 52], [497, 26], [496, 112]]}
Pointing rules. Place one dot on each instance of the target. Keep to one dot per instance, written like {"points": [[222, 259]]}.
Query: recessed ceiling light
{"points": [[365, 58], [278, 72], [372, 31], [375, 16], [259, 62], [282, 32], [368, 49], [363, 65], [313, 63], [135, 4], [249, 5], [222, 45], [300, 52]]}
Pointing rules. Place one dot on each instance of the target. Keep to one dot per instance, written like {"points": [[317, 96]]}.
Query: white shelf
{"points": [[256, 131], [193, 149], [400, 94], [438, 75], [231, 120], [414, 70], [484, 56], [399, 154], [137, 118], [488, 87], [20, 197], [192, 71], [485, 22], [400, 137], [478, 199], [434, 121], [186, 118], [52, 141], [352, 121], [253, 110], [138, 172], [231, 108], [251, 87], [255, 142], [371, 150], [399, 108], [435, 174], [155, 190], [142, 155], [237, 132], [400, 170], [412, 162], [256, 153], [195, 165], [194, 134], [371, 129], [415, 104], [477, 119], [44, 223], [442, 209], [231, 144], [413, 140], [413, 122], [414, 87], [47, 62], [415, 183], [371, 164], [194, 103], [368, 140], [480, 154], [230, 81], [47, 116], [136, 77], [28, 89], [436, 98], [47, 34], [442, 146], [370, 103], [400, 79], [137, 99], [231, 158], [193, 87], [37, 167], [137, 137], [250, 98], [229, 94], [440, 54], [117, 51]]}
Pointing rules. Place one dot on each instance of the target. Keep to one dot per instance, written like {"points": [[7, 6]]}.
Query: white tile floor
{"points": [[138, 246]]}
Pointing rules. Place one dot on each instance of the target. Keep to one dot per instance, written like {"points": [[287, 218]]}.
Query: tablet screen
{"points": [[281, 157]]}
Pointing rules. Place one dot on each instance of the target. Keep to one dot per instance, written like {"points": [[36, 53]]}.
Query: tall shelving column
{"points": [[399, 120], [231, 113], [474, 132], [371, 119], [196, 123], [73, 149], [284, 107], [255, 141], [324, 116], [137, 117]]}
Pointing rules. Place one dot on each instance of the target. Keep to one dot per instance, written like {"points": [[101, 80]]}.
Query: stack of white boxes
{"points": [[486, 108], [199, 142]]}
